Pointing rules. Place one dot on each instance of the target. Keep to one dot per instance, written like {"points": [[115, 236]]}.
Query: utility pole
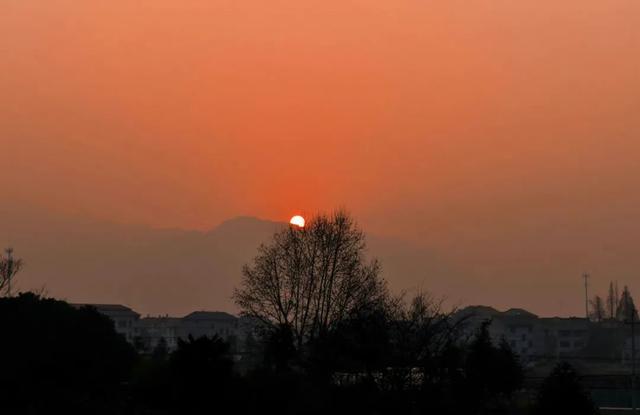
{"points": [[586, 294]]}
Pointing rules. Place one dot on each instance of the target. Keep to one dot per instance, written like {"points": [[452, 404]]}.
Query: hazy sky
{"points": [[494, 130]]}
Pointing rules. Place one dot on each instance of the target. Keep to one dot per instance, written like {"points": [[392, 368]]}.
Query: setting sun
{"points": [[297, 221]]}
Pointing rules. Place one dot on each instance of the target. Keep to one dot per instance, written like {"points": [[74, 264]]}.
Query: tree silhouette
{"points": [[311, 278], [9, 267], [57, 358], [279, 348], [612, 300], [492, 373], [626, 307], [201, 373], [150, 385], [360, 344], [424, 337], [597, 312], [561, 393]]}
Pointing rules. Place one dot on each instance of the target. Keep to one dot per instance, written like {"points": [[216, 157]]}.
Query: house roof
{"points": [[209, 315], [519, 312], [478, 310], [108, 308]]}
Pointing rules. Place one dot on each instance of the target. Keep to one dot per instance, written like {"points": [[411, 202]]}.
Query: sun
{"points": [[297, 221]]}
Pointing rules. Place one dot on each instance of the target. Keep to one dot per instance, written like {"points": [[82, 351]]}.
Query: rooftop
{"points": [[107, 308], [209, 315]]}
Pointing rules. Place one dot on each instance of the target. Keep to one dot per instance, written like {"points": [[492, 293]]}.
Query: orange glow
{"points": [[499, 134], [297, 221]]}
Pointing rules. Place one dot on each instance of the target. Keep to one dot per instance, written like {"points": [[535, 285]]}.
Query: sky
{"points": [[499, 133]]}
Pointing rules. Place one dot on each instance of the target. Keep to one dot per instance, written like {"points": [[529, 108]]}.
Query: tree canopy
{"points": [[562, 393], [57, 357], [311, 278]]}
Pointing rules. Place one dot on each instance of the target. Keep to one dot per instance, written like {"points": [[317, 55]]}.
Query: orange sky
{"points": [[460, 123]]}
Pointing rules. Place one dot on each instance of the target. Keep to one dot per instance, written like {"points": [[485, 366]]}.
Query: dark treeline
{"points": [[616, 306], [327, 338], [58, 358]]}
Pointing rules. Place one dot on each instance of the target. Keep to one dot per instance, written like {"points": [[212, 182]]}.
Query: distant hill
{"points": [[162, 271]]}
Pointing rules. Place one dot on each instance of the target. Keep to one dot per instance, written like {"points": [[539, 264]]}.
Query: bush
{"points": [[59, 358], [561, 393]]}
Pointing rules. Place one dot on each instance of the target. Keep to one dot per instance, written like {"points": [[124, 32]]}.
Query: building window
{"points": [[565, 344]]}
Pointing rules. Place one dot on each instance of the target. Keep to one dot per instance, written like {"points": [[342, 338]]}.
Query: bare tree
{"points": [[425, 317], [597, 312], [423, 331], [9, 267], [311, 278], [412, 318]]}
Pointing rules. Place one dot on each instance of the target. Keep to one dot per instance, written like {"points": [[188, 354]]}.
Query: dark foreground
{"points": [[56, 358]]}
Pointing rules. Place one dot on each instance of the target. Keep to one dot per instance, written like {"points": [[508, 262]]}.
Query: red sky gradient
{"points": [[496, 131]]}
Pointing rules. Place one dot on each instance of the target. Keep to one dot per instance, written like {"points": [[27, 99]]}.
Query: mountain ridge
{"points": [[155, 271]]}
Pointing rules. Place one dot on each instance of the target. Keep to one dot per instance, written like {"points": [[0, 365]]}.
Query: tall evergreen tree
{"points": [[493, 374], [612, 302], [597, 311], [626, 307]]}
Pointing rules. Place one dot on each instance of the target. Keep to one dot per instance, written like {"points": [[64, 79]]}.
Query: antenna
{"points": [[586, 277]]}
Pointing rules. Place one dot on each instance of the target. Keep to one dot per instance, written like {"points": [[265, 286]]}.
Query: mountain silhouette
{"points": [[161, 271]]}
